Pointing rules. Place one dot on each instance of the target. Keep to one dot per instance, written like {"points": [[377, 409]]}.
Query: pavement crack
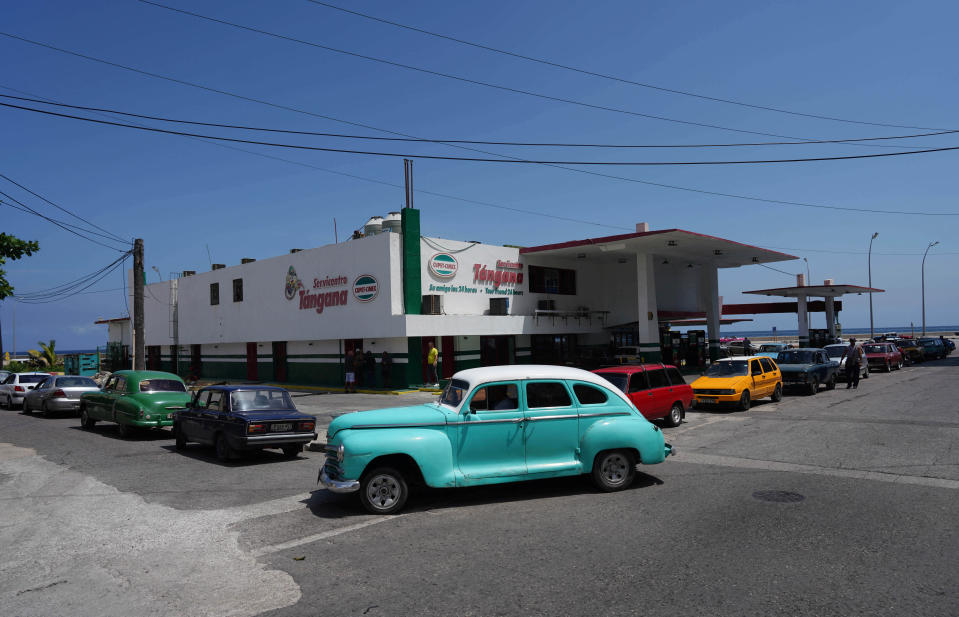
{"points": [[42, 587]]}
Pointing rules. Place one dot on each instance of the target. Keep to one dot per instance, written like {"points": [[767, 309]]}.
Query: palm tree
{"points": [[47, 357]]}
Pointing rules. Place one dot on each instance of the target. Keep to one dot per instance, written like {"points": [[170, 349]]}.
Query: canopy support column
{"points": [[831, 317], [803, 322], [709, 291], [647, 321]]}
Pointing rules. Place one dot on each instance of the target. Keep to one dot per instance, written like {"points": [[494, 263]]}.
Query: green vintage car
{"points": [[135, 400], [492, 425]]}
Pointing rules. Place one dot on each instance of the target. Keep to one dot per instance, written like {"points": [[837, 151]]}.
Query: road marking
{"points": [[859, 474], [275, 548]]}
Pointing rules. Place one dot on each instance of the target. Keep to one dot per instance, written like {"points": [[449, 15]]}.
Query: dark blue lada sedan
{"points": [[236, 419]]}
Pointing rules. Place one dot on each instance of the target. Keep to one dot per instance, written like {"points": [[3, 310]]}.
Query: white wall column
{"points": [[646, 307], [803, 322], [831, 316], [709, 296]]}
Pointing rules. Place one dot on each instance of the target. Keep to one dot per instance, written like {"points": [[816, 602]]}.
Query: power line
{"points": [[613, 77], [888, 254], [72, 288], [776, 269], [470, 141], [242, 97], [510, 160], [61, 208], [59, 224], [464, 79]]}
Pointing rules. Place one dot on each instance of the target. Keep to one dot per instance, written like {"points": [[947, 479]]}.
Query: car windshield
{"points": [[729, 368], [253, 400], [162, 385], [795, 357], [32, 378], [454, 392], [76, 382], [770, 347], [617, 379], [873, 348], [835, 351]]}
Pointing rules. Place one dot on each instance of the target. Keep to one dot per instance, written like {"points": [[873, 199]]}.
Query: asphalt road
{"points": [[843, 503]]}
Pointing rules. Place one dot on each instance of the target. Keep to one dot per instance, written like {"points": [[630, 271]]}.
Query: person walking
{"points": [[386, 366], [853, 355], [348, 364], [369, 363], [431, 359]]}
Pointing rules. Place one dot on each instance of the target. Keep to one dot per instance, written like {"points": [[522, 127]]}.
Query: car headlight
{"points": [[728, 391]]}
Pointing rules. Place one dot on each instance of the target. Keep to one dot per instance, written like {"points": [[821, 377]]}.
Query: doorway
{"points": [[447, 357], [279, 360], [251, 372], [496, 350]]}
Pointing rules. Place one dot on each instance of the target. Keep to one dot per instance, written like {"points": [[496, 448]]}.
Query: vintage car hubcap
{"points": [[614, 469], [383, 491]]}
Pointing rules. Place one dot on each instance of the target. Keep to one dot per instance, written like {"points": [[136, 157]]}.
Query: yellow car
{"points": [[738, 380]]}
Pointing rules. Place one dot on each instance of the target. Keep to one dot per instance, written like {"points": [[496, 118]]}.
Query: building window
{"points": [[238, 290], [214, 293], [552, 280]]}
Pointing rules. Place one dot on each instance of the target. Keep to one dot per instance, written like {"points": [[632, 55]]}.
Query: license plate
{"points": [[705, 400], [278, 428]]}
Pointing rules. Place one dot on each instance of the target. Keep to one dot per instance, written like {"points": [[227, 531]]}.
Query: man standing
{"points": [[386, 364], [431, 359], [853, 355], [350, 375]]}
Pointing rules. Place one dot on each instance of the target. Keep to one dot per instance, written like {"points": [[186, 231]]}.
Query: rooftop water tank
{"points": [[392, 222], [373, 226]]}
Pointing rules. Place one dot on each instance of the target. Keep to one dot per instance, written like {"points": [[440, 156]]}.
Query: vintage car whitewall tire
{"points": [[383, 490], [614, 470]]}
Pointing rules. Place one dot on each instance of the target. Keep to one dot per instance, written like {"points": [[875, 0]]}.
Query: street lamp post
{"points": [[872, 334], [931, 244]]}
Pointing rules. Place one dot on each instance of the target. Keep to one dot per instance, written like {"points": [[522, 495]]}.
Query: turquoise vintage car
{"points": [[135, 400], [492, 425]]}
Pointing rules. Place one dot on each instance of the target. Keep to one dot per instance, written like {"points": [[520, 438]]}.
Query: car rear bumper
{"points": [[63, 404], [251, 442]]}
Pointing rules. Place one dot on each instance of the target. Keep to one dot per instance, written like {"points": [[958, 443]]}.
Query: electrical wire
{"points": [[62, 209], [776, 269], [613, 77], [72, 288], [883, 253], [51, 219], [472, 141], [59, 224], [462, 79], [509, 160], [752, 198]]}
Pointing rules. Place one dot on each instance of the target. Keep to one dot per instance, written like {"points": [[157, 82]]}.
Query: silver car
{"points": [[835, 353], [58, 393], [16, 386]]}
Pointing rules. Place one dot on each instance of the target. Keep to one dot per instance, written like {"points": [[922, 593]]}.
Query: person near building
{"points": [[350, 373], [431, 359], [853, 354], [358, 361], [386, 366], [747, 346], [369, 363]]}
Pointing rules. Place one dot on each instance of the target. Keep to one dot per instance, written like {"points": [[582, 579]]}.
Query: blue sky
{"points": [[879, 62]]}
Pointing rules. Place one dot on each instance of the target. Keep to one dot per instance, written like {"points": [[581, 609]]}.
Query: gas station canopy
{"points": [[824, 291], [677, 243]]}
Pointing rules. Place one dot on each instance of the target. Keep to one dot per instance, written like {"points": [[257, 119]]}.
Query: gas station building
{"points": [[292, 318]]}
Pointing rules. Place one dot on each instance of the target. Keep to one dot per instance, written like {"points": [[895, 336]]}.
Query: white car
{"points": [[835, 352], [16, 386]]}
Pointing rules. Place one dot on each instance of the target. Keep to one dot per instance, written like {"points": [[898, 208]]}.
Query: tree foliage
{"points": [[13, 248], [47, 357]]}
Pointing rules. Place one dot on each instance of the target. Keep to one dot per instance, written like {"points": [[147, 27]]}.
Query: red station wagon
{"points": [[657, 390], [884, 356]]}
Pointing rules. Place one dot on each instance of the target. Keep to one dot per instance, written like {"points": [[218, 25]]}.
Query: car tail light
{"points": [[60, 394], [307, 426], [256, 428], [18, 389]]}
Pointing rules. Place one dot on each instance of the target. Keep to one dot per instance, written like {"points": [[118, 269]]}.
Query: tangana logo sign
{"points": [[293, 284], [443, 265], [365, 288]]}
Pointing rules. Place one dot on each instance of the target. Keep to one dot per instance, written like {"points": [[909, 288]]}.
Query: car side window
{"points": [[120, 385], [767, 365], [657, 378], [111, 384], [637, 382], [500, 397], [199, 401], [675, 377], [46, 383], [215, 402], [755, 368], [547, 394], [589, 395]]}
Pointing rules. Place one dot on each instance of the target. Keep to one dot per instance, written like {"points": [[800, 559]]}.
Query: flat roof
{"points": [[115, 319], [667, 243], [816, 290]]}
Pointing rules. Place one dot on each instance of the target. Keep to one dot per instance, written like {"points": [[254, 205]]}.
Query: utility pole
{"points": [[872, 335], [138, 275]]}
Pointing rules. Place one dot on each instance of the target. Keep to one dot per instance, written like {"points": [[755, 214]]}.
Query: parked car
{"points": [[492, 425], [950, 345], [835, 352], [933, 348], [58, 393], [911, 350], [658, 390], [739, 380], [771, 350], [135, 400], [808, 367], [883, 355], [237, 419], [4, 375], [16, 386]]}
